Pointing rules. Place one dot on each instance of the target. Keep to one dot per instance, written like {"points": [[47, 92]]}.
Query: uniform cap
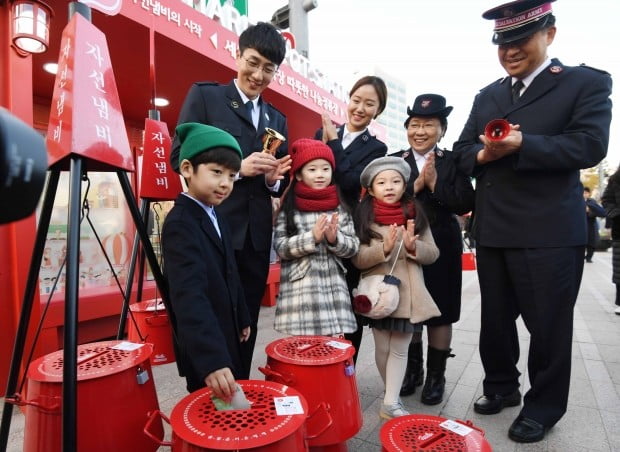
{"points": [[519, 19], [428, 105]]}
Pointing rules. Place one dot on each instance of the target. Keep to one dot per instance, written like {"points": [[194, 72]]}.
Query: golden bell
{"points": [[272, 141]]}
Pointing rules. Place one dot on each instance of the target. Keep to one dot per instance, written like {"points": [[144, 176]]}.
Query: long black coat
{"points": [[454, 195], [611, 204], [208, 308], [249, 206], [593, 210], [534, 198]]}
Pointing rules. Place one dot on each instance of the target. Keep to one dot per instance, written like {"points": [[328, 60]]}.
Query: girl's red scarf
{"points": [[388, 214], [315, 200]]}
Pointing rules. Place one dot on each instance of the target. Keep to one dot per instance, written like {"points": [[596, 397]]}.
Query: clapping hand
{"points": [[390, 240], [331, 229], [428, 175], [429, 171], [410, 237], [318, 231], [329, 129]]}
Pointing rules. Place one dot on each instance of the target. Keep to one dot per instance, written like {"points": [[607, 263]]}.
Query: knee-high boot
{"points": [[435, 383], [414, 375]]}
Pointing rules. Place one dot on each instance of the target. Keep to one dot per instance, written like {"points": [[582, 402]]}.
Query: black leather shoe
{"points": [[526, 430], [495, 403]]}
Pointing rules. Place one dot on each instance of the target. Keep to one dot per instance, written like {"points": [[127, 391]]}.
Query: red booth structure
{"points": [[156, 47]]}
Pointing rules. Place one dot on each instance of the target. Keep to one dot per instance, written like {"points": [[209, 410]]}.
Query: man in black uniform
{"points": [[528, 222], [239, 109]]}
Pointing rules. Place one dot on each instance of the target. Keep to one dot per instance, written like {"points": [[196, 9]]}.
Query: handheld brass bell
{"points": [[272, 141]]}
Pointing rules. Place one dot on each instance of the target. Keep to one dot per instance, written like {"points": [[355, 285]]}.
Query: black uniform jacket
{"points": [[350, 162], [208, 308], [453, 195], [533, 198], [249, 205]]}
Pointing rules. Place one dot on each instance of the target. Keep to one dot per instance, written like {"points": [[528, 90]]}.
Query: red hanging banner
{"points": [[158, 181], [86, 117]]}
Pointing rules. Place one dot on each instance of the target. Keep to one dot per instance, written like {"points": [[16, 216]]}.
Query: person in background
{"points": [[354, 148], [239, 109], [528, 219], [394, 234], [312, 235], [444, 192], [209, 314], [593, 210], [611, 204]]}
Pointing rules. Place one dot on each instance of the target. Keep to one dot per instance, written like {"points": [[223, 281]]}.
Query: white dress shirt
{"points": [[210, 212]]}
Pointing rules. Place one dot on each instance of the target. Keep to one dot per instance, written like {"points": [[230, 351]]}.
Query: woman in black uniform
{"points": [[444, 192]]}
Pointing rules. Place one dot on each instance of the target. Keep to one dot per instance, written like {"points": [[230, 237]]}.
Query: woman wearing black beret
{"points": [[444, 193]]}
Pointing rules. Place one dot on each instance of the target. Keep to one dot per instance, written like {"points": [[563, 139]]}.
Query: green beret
{"points": [[196, 138]]}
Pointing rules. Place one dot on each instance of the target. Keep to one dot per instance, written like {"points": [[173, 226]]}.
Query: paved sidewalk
{"points": [[592, 422]]}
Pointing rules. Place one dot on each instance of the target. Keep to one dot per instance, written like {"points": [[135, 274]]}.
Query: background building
{"points": [[395, 111]]}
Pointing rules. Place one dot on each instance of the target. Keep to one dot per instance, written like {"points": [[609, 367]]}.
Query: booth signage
{"points": [[158, 181], [212, 29], [86, 116]]}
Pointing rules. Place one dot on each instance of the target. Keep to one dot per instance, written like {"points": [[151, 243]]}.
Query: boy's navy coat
{"points": [[209, 310]]}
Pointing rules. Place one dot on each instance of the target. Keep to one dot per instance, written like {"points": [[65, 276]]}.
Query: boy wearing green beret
{"points": [[209, 311]]}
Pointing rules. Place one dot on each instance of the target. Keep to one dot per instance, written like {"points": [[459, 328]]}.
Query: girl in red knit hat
{"points": [[314, 232]]}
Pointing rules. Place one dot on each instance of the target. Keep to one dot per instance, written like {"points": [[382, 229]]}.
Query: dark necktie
{"points": [[516, 90], [249, 106]]}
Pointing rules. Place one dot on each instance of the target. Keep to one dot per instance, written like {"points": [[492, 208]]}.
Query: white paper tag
{"points": [[456, 427], [288, 405], [340, 345], [127, 346]]}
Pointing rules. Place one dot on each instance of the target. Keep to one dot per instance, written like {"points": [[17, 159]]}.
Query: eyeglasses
{"points": [[415, 126], [268, 69]]}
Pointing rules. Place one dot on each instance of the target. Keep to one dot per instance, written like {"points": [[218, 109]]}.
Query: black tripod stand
{"points": [[69, 390]]}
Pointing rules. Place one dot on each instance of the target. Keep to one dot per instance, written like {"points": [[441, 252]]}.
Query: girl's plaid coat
{"points": [[313, 298]]}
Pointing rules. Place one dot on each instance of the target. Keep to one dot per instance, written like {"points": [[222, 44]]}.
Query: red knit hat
{"points": [[304, 150]]}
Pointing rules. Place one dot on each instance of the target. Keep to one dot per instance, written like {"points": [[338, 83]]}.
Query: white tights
{"points": [[391, 358]]}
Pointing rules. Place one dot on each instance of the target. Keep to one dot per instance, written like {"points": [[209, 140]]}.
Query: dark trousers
{"points": [[589, 252], [541, 285], [253, 268]]}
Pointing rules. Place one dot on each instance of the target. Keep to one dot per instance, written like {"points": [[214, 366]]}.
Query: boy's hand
{"points": [[245, 334], [331, 229], [390, 240], [281, 169], [222, 383]]}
